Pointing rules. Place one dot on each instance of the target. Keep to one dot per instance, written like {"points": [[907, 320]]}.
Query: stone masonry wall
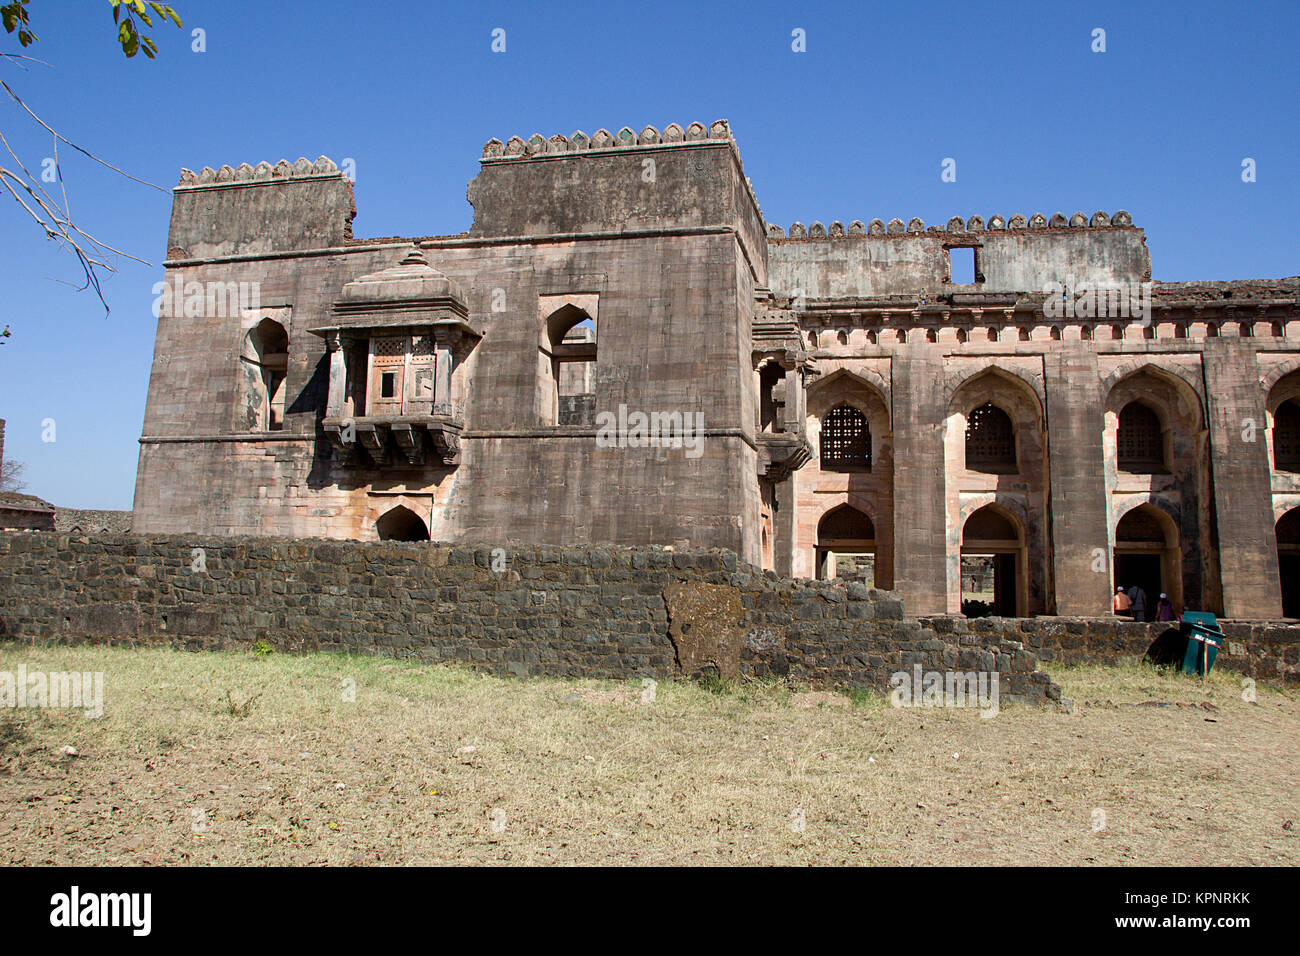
{"points": [[583, 612], [1265, 651]]}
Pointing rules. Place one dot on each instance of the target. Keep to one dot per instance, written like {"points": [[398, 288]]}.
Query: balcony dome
{"points": [[411, 282]]}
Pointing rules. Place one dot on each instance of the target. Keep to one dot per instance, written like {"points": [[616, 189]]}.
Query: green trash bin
{"points": [[1203, 641]]}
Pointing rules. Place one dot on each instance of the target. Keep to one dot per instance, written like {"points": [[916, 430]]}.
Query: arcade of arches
{"points": [[1020, 520]]}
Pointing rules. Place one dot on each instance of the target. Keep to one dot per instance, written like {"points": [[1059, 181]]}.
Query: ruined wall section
{"points": [[1265, 651], [879, 261]]}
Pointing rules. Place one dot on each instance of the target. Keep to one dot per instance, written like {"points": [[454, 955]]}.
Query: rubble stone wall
{"points": [[576, 612]]}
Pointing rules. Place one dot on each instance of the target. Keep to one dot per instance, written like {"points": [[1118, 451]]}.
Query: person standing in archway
{"points": [[1165, 609], [1139, 599], [1122, 604]]}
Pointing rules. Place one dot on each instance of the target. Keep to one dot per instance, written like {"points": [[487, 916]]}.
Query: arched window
{"points": [[569, 342], [845, 440], [1286, 437], [990, 440], [771, 398], [401, 524], [264, 361], [1140, 445]]}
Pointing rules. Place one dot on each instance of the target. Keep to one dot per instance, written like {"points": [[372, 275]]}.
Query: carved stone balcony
{"points": [[396, 338], [418, 439]]}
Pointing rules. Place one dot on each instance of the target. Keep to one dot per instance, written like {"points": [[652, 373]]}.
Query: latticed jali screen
{"points": [[990, 438], [1139, 435], [845, 438]]}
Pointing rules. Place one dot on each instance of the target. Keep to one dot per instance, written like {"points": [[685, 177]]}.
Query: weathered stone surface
{"points": [[706, 624]]}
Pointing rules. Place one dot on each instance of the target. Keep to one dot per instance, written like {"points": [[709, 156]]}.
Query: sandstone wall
{"points": [[519, 481]]}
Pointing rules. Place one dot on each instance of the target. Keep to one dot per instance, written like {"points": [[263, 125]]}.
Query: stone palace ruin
{"points": [[622, 350]]}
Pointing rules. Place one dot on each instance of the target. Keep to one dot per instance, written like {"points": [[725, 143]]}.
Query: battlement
{"points": [[687, 178], [673, 135], [226, 212], [915, 226], [262, 172]]}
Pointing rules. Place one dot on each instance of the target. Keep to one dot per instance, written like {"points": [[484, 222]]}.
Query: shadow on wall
{"points": [[1168, 649]]}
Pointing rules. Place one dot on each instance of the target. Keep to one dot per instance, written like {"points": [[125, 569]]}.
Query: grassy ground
{"points": [[241, 759]]}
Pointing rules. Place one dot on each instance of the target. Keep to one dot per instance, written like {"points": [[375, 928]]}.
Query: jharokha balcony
{"points": [[415, 439], [396, 340]]}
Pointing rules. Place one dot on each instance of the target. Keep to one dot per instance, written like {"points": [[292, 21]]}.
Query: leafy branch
{"points": [[132, 40]]}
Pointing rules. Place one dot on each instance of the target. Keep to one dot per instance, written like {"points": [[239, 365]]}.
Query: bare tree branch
{"points": [[64, 139], [54, 216]]}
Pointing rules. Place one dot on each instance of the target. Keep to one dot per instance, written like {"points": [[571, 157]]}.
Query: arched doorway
{"points": [[846, 546], [401, 524], [1147, 555], [995, 497], [1288, 561], [1154, 441], [993, 564]]}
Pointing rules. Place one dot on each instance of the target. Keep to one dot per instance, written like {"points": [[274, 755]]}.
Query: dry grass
{"points": [[438, 765]]}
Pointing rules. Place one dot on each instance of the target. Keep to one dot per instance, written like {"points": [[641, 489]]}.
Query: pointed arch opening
{"points": [[993, 580], [401, 524], [846, 546], [1148, 559], [1286, 436], [568, 358], [263, 362]]}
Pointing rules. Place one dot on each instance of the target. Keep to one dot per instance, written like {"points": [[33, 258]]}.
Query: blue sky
{"points": [[856, 127]]}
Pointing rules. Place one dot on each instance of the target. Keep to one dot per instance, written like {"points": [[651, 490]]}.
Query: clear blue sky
{"points": [[856, 127]]}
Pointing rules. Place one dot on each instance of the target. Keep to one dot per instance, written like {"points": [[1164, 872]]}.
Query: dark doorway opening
{"points": [[993, 565], [1288, 561], [401, 524], [1144, 571], [1288, 566], [1004, 585], [846, 546]]}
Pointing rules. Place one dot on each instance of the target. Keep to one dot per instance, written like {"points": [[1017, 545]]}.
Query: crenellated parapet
{"points": [[536, 145], [679, 177], [955, 225], [262, 172], [238, 210]]}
